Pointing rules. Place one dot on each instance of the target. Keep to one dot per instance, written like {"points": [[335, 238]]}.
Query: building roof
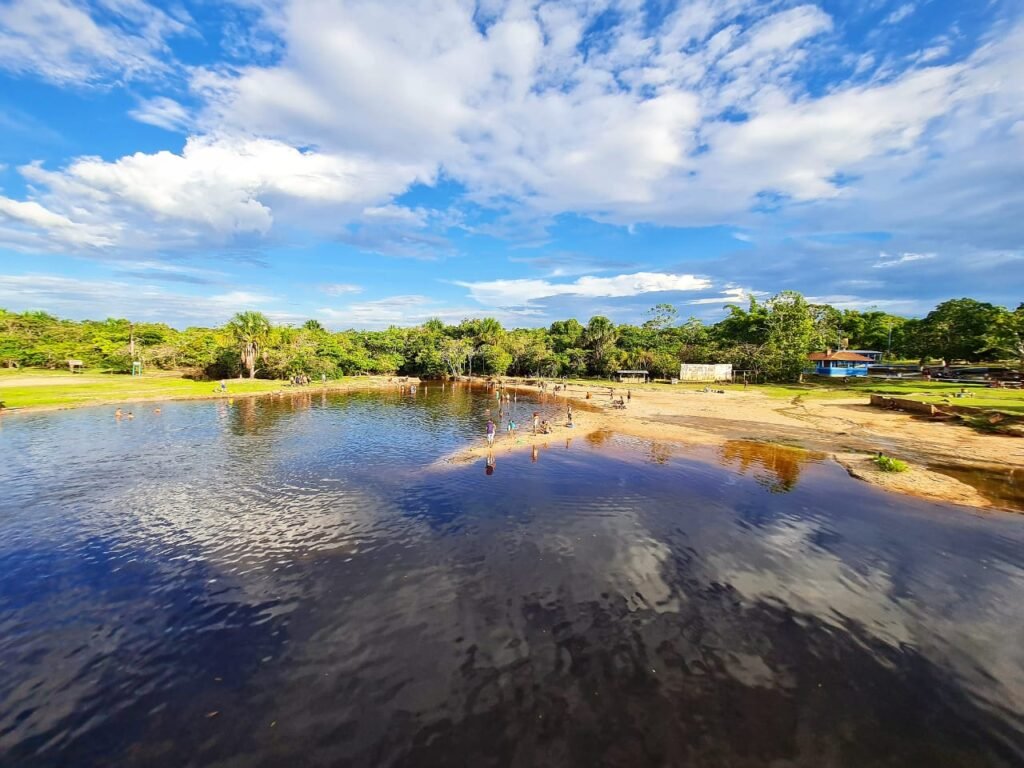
{"points": [[849, 357]]}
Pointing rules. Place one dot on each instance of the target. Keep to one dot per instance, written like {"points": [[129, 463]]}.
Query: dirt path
{"points": [[849, 430]]}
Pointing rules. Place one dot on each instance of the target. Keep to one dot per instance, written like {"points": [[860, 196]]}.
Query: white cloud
{"points": [[162, 112], [733, 295], [78, 298], [705, 119], [339, 289], [514, 293], [218, 189], [899, 14], [408, 310], [22, 220], [891, 260], [65, 41]]}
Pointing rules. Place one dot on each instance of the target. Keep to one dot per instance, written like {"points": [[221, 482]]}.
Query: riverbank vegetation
{"points": [[769, 338]]}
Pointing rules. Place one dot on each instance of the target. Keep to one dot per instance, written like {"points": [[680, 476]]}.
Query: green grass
{"points": [[25, 388], [889, 464]]}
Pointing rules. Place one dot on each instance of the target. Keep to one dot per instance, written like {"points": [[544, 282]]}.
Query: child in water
{"points": [[490, 432]]}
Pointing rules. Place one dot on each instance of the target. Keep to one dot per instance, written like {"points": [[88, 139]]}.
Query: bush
{"points": [[889, 464]]}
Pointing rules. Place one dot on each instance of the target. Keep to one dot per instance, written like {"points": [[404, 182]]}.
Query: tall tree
{"points": [[791, 334], [250, 331], [600, 337], [960, 329], [1007, 335], [661, 316]]}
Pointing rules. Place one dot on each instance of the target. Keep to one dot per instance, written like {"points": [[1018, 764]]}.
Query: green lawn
{"points": [[23, 388]]}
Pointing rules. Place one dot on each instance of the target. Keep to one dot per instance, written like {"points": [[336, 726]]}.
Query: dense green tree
{"points": [[791, 334], [1007, 335], [960, 329], [770, 337]]}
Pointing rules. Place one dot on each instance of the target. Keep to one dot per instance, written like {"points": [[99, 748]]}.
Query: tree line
{"points": [[770, 338]]}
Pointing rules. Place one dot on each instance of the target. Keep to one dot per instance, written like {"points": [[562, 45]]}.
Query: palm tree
{"points": [[314, 325], [250, 330], [600, 336]]}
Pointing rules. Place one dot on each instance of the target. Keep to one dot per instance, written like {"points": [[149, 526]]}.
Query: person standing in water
{"points": [[490, 432], [536, 421]]}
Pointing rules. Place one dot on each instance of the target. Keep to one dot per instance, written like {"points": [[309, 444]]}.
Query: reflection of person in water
{"points": [[490, 464], [533, 455]]}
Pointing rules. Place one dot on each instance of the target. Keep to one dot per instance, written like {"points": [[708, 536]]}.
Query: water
{"points": [[299, 582]]}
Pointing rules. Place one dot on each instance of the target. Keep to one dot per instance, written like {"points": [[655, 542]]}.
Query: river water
{"points": [[300, 581]]}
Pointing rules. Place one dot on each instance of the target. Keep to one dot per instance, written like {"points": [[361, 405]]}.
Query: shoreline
{"points": [[369, 383], [846, 430]]}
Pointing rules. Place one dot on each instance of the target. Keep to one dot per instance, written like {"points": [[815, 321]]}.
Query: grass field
{"points": [[23, 388]]}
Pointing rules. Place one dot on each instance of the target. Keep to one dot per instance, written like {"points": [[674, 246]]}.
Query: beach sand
{"points": [[848, 430]]}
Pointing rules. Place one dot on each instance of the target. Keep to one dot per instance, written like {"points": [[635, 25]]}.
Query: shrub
{"points": [[889, 464]]}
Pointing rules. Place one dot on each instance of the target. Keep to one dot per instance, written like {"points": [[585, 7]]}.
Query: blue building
{"points": [[839, 363]]}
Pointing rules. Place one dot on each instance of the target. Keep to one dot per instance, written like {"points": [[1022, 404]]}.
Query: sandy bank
{"points": [[848, 430]]}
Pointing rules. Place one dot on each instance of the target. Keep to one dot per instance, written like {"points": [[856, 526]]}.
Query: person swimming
{"points": [[118, 414]]}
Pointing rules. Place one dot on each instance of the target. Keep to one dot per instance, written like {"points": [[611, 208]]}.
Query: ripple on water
{"points": [[286, 581]]}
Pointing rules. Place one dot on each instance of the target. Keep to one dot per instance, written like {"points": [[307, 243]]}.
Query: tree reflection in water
{"points": [[776, 467]]}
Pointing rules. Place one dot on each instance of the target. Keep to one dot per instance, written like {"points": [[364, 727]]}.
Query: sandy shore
{"points": [[848, 430]]}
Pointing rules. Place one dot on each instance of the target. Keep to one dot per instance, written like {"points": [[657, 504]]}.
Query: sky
{"points": [[371, 164]]}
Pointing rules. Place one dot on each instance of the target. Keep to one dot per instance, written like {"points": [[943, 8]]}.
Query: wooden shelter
{"points": [[632, 377], [75, 365]]}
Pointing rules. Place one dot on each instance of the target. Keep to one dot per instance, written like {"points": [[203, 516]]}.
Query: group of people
{"points": [[540, 426]]}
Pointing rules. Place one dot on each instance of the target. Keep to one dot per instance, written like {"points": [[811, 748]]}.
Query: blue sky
{"points": [[370, 163]]}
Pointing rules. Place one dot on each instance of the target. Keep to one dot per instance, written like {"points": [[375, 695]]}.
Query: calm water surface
{"points": [[300, 582]]}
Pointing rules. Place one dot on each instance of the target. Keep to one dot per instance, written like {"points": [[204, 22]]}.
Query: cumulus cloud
{"points": [[216, 190], [714, 114], [512, 293]]}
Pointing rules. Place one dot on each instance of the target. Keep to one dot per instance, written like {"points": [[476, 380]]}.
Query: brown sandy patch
{"points": [[848, 429]]}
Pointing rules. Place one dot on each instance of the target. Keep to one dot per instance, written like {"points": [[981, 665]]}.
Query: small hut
{"points": [[840, 363], [76, 365], [632, 377]]}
